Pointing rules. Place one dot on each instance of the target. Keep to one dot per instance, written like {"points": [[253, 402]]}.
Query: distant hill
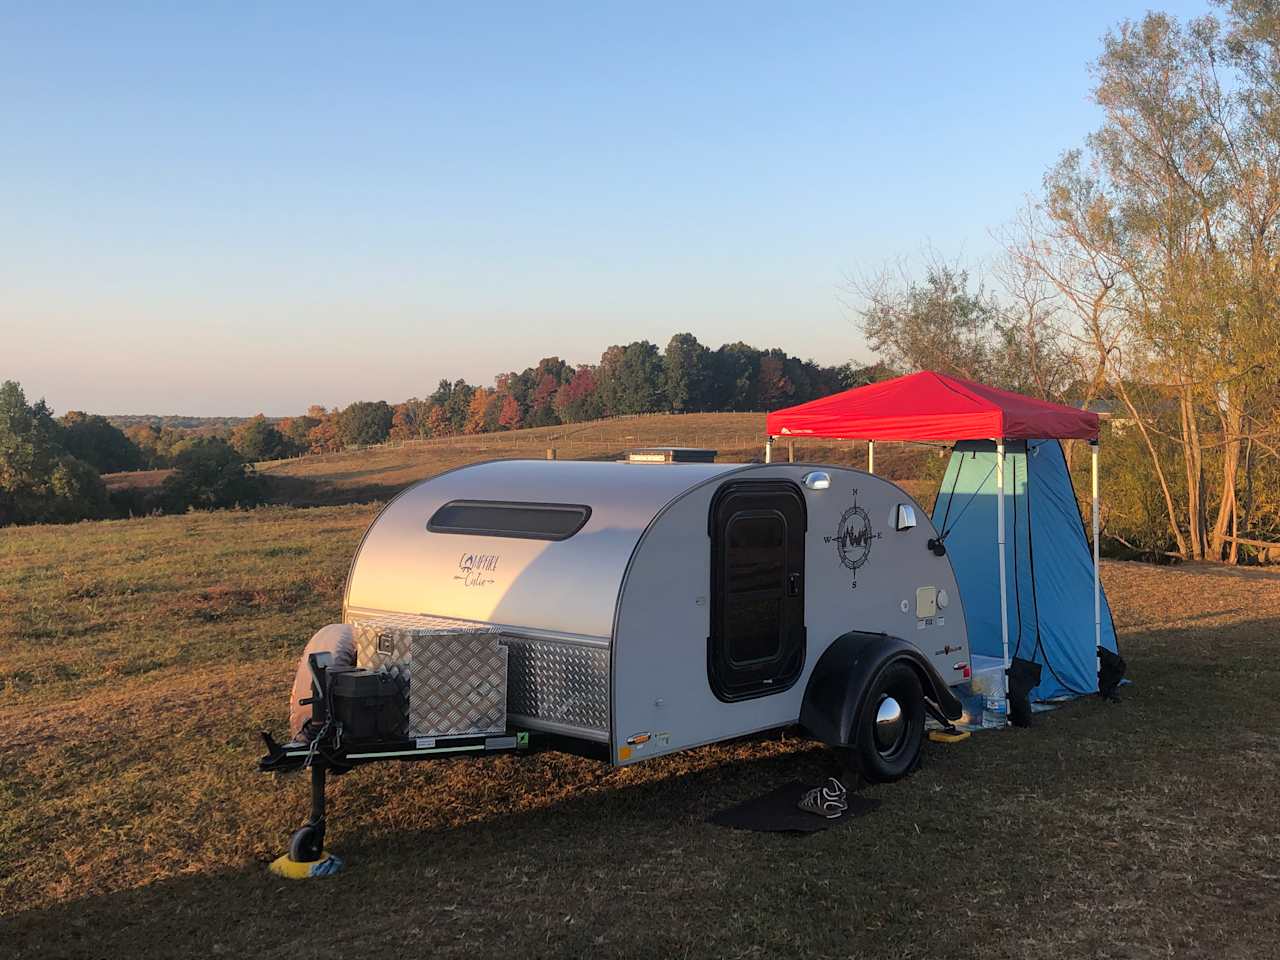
{"points": [[379, 472]]}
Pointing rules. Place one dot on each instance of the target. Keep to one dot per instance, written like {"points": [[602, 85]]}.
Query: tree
{"points": [[686, 373], [323, 437], [578, 400], [411, 420], [1161, 238], [39, 481], [935, 324], [99, 443], [210, 474], [509, 412], [458, 405], [147, 438], [631, 378], [478, 415], [436, 424], [774, 388], [542, 410], [735, 369], [257, 439], [443, 391], [364, 422], [296, 433]]}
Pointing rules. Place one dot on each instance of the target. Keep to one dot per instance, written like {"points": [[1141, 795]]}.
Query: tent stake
{"points": [[1004, 589], [1097, 590]]}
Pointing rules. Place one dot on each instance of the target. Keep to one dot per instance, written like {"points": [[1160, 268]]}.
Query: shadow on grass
{"points": [[305, 492], [1126, 829], [427, 890]]}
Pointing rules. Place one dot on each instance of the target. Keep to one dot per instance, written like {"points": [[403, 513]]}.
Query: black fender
{"points": [[844, 672]]}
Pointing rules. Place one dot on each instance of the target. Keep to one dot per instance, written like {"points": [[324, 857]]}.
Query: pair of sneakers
{"points": [[830, 800]]}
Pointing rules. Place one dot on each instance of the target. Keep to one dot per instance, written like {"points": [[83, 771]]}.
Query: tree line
{"points": [[51, 468], [638, 377]]}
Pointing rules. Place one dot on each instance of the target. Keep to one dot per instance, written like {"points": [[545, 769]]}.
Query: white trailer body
{"points": [[650, 608]]}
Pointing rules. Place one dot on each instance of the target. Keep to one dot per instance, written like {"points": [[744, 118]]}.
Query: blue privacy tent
{"points": [[1050, 573], [1047, 616]]}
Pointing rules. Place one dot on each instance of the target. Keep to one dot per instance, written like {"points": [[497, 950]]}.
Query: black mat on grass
{"points": [[776, 812]]}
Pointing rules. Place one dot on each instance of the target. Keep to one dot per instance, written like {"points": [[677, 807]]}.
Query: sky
{"points": [[227, 208]]}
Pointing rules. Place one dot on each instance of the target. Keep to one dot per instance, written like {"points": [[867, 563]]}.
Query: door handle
{"points": [[793, 585]]}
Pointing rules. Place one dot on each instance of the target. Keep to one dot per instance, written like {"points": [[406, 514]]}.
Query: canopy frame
{"points": [[1032, 418]]}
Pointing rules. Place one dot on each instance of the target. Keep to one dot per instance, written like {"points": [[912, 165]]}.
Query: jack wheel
{"points": [[307, 844]]}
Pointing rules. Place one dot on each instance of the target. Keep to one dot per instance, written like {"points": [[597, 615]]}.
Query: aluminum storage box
{"points": [[454, 674]]}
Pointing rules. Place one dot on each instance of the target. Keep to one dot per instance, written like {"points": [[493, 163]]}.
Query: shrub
{"points": [[256, 439], [365, 422], [99, 443], [209, 474], [39, 481]]}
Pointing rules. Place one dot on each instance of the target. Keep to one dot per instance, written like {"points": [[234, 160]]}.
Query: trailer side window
{"points": [[501, 518], [757, 610]]}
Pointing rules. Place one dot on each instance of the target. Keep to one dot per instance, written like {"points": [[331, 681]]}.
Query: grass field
{"points": [[139, 657], [379, 472]]}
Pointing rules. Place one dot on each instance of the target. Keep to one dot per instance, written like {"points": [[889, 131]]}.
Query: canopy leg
{"points": [[1097, 588], [768, 449], [1004, 587], [871, 456]]}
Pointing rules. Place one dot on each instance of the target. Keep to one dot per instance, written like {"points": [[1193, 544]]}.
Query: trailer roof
{"points": [[566, 581]]}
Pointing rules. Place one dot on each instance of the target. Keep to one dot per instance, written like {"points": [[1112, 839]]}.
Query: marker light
{"points": [[817, 480]]}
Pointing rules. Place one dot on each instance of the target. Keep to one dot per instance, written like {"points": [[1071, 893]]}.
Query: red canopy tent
{"points": [[933, 406]]}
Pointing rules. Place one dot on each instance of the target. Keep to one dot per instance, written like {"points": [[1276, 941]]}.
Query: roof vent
{"points": [[670, 455]]}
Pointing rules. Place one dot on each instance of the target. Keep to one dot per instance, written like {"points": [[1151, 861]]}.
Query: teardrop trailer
{"points": [[630, 610], [635, 610]]}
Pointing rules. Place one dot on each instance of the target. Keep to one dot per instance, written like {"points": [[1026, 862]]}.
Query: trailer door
{"points": [[757, 642]]}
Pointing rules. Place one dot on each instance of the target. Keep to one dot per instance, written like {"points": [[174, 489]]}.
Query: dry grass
{"points": [[379, 472], [140, 656]]}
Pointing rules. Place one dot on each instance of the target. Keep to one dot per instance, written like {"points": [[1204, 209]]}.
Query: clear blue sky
{"points": [[221, 208]]}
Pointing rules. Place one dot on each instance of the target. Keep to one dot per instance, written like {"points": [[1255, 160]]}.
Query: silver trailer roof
{"points": [[567, 586]]}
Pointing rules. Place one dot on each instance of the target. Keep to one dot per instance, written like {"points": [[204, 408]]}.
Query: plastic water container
{"points": [[995, 712], [988, 682]]}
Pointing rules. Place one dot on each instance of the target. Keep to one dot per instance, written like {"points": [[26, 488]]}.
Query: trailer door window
{"points": [[757, 632]]}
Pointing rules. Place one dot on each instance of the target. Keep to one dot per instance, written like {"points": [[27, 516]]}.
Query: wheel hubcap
{"points": [[889, 724]]}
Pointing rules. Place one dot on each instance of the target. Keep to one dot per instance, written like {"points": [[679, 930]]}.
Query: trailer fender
{"points": [[842, 675]]}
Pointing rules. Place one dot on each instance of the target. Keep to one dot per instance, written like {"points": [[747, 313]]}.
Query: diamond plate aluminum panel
{"points": [[564, 683], [382, 647], [453, 673], [457, 684]]}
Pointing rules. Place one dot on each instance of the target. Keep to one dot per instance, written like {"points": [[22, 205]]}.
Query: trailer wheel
{"points": [[306, 845], [890, 726]]}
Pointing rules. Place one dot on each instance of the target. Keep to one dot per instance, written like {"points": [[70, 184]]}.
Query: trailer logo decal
{"points": [[474, 567], [853, 538]]}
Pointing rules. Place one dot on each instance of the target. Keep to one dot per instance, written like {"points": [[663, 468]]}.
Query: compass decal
{"points": [[853, 538]]}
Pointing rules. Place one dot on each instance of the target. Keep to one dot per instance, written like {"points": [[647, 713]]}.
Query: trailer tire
{"points": [[890, 725]]}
